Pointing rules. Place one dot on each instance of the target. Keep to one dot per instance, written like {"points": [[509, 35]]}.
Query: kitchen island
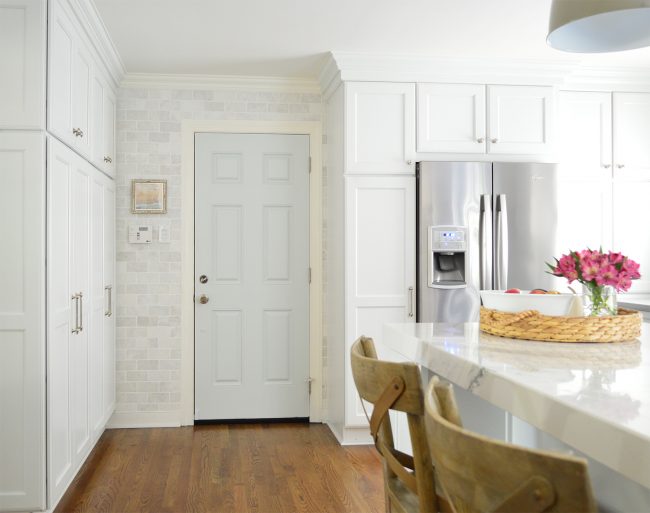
{"points": [[592, 399]]}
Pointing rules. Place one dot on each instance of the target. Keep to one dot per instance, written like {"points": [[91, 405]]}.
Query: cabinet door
{"points": [[61, 49], [451, 118], [81, 81], [108, 359], [96, 307], [22, 322], [380, 264], [61, 319], [519, 119], [585, 151], [108, 132], [22, 63], [631, 135], [97, 108], [379, 128]]}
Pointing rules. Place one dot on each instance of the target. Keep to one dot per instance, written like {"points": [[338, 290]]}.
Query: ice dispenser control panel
{"points": [[447, 252]]}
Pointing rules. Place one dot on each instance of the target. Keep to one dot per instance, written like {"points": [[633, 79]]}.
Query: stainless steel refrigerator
{"points": [[481, 225]]}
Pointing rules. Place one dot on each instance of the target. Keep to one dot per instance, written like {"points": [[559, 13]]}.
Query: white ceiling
{"points": [[290, 38]]}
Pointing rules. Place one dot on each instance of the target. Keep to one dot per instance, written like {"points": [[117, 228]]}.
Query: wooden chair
{"points": [[408, 481], [479, 474]]}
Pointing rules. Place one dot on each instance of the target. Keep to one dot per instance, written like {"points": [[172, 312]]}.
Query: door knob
{"points": [[203, 299]]}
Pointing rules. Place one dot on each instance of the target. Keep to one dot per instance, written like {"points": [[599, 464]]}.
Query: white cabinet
{"points": [[370, 262], [379, 263], [22, 321], [379, 128], [22, 63], [79, 340], [631, 135], [108, 357], [451, 118], [477, 119], [103, 126], [604, 173]]}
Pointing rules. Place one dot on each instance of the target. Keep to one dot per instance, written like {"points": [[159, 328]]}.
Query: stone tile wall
{"points": [[149, 276]]}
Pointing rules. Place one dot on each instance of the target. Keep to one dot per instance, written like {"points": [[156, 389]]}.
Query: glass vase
{"points": [[599, 300]]}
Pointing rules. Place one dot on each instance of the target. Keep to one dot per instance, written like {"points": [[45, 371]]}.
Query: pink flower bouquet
{"points": [[596, 270]]}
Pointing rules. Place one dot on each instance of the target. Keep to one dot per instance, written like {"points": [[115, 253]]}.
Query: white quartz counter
{"points": [[593, 397]]}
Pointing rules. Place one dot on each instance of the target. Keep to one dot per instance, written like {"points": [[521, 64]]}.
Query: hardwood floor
{"points": [[261, 468]]}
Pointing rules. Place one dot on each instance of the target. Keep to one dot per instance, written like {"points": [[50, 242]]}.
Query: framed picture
{"points": [[149, 196]]}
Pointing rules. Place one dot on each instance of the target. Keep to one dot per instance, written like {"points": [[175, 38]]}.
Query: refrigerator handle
{"points": [[501, 244], [485, 242]]}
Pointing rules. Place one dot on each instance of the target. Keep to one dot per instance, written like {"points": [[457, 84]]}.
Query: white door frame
{"points": [[313, 130]]}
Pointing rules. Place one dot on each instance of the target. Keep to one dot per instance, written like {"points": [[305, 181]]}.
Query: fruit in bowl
{"points": [[545, 302]]}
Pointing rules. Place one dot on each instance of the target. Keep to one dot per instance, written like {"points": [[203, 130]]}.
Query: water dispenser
{"points": [[447, 257]]}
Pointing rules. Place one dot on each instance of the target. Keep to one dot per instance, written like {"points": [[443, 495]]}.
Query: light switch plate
{"points": [[164, 233]]}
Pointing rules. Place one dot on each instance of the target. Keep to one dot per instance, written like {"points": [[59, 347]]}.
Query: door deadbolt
{"points": [[203, 278], [203, 299]]}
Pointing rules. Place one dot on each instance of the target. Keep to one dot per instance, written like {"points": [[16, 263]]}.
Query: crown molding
{"points": [[97, 33], [566, 73], [330, 77], [229, 82]]}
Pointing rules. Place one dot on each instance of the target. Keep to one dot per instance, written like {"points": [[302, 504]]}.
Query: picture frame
{"points": [[148, 196]]}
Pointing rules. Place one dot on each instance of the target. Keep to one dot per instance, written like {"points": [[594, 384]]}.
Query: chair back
{"points": [[408, 480], [479, 474]]}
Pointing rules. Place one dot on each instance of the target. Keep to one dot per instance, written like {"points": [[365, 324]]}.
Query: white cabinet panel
{"points": [[22, 322], [69, 82], [380, 264], [22, 63], [108, 360], [102, 111], [630, 236], [380, 128], [108, 132], [584, 134], [451, 118], [519, 119], [631, 135]]}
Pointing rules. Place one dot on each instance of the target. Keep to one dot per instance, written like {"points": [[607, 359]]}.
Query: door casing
{"points": [[314, 130]]}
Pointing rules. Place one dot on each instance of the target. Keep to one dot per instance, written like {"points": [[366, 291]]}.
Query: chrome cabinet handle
{"points": [[480, 140], [75, 306], [109, 310], [108, 160], [501, 243], [411, 301], [81, 311], [78, 132], [485, 241], [494, 141]]}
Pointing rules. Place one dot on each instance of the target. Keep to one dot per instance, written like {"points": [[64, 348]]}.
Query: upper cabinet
{"points": [[631, 124], [478, 119], [81, 104], [22, 64], [379, 128]]}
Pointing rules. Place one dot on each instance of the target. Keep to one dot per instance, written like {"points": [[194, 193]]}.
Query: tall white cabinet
{"points": [[370, 265], [57, 210]]}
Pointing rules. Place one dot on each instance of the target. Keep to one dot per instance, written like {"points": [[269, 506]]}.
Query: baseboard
{"points": [[356, 435], [144, 419]]}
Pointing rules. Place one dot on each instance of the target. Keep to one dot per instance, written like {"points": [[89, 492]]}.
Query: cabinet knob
{"points": [[409, 162], [607, 166], [620, 166], [494, 141], [78, 132], [480, 140], [108, 160]]}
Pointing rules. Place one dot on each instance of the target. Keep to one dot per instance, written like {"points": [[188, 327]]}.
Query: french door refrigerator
{"points": [[482, 225]]}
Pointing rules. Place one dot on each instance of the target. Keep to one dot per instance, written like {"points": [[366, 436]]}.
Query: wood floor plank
{"points": [[256, 468]]}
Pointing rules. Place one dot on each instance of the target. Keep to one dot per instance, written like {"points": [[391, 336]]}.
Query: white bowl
{"points": [[546, 304]]}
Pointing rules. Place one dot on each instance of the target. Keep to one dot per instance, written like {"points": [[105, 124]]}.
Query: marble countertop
{"points": [[594, 397], [635, 301]]}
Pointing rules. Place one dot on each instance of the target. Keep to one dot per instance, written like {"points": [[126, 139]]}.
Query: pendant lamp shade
{"points": [[593, 26]]}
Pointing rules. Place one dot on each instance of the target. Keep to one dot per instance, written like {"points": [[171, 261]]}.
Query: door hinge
{"points": [[310, 275]]}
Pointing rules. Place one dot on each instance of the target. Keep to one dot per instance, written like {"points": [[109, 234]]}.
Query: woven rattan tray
{"points": [[531, 325]]}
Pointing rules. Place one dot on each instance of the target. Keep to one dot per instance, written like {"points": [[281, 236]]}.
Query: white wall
{"points": [[149, 276]]}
